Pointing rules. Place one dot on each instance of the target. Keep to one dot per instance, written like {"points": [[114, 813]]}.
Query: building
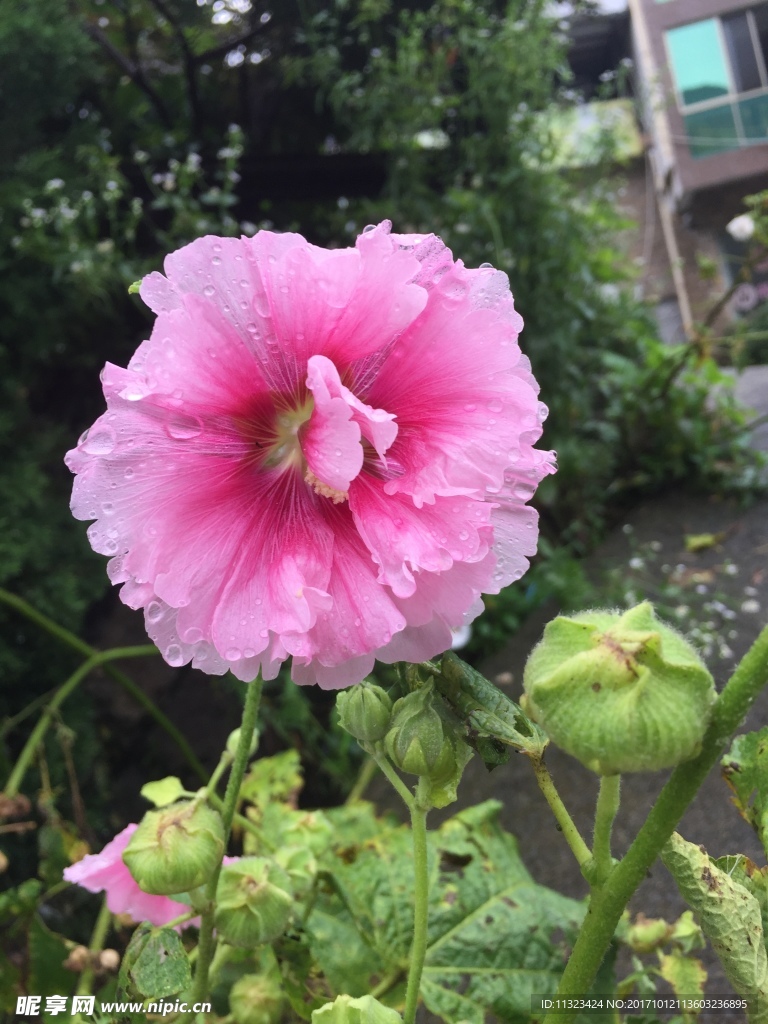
{"points": [[701, 86]]}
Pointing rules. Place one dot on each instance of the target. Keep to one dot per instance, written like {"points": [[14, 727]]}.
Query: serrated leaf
{"points": [[161, 968], [485, 709], [273, 779], [729, 916], [685, 974], [495, 936], [164, 791], [745, 769]]}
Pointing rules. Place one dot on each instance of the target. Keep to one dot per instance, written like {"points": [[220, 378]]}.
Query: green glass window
{"points": [[698, 62], [711, 131], [754, 118]]}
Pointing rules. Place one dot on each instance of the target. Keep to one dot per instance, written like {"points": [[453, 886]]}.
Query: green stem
{"points": [[405, 794], [207, 945], [16, 777], [571, 834], [74, 641], [224, 762], [607, 806], [363, 781], [607, 905], [98, 937], [419, 809]]}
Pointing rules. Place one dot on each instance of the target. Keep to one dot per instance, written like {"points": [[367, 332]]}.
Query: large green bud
{"points": [[365, 712], [256, 999], [254, 901], [364, 1010], [175, 848], [620, 692]]}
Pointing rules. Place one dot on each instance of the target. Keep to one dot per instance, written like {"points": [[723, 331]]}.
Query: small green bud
{"points": [[256, 999], [365, 712], [648, 934], [234, 739], [416, 742], [175, 848], [346, 1010], [620, 692], [254, 901]]}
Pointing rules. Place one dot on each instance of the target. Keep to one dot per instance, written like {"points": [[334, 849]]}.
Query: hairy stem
{"points": [[419, 809], [571, 834], [37, 735], [207, 944], [608, 903], [74, 641], [607, 806]]}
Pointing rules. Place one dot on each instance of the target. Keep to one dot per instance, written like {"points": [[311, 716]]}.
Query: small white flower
{"points": [[750, 607], [741, 228], [636, 563]]}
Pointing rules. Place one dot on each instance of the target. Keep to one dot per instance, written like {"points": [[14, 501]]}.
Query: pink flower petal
{"points": [[322, 455]]}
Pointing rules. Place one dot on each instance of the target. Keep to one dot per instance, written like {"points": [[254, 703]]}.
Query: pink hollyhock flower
{"points": [[323, 454], [106, 872]]}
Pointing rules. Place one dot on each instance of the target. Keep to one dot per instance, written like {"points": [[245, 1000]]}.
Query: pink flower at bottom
{"points": [[106, 872], [318, 454]]}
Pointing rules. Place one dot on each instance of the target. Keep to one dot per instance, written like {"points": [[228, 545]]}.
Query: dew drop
{"points": [[209, 290], [249, 653], [174, 656], [369, 227], [154, 611], [110, 548], [486, 266], [182, 427], [216, 261], [233, 654], [470, 407], [100, 441], [134, 392], [193, 635], [264, 634], [496, 405], [108, 508]]}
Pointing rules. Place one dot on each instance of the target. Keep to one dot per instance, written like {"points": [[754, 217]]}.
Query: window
{"points": [[719, 69]]}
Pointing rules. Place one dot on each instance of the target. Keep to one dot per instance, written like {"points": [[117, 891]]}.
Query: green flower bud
{"points": [[365, 712], [254, 901], [416, 742], [620, 692], [175, 848], [256, 999], [365, 1010]]}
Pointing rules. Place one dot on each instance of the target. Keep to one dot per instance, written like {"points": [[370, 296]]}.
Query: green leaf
{"points": [[486, 710], [273, 779], [47, 953], [161, 968], [729, 916], [745, 769], [493, 931], [685, 974], [164, 791]]}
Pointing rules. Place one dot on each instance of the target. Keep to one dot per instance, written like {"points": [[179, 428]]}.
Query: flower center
{"points": [[285, 450]]}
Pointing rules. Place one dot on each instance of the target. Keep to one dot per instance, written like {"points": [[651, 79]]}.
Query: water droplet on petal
{"points": [[486, 266], [495, 405], [154, 611], [183, 427], [174, 656], [108, 508], [369, 227], [193, 635], [249, 653], [216, 261], [209, 290], [100, 441], [233, 654]]}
